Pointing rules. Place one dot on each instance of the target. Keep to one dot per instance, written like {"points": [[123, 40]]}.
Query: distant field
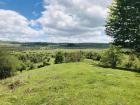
{"points": [[38, 45], [72, 84]]}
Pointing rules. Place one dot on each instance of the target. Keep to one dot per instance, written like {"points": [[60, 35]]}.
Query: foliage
{"points": [[132, 62], [93, 56], [31, 59], [67, 57], [21, 67], [111, 57], [73, 56], [59, 58], [31, 66], [43, 64], [123, 23], [46, 63], [8, 64]]}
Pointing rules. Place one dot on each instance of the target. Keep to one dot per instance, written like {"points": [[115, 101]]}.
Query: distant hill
{"points": [[9, 43], [54, 45]]}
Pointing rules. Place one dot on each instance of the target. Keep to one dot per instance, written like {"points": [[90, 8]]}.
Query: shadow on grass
{"points": [[126, 69], [118, 68]]}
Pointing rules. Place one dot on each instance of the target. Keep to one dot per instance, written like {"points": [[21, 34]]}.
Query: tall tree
{"points": [[123, 23]]}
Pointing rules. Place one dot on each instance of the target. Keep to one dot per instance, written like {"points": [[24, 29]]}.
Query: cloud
{"points": [[62, 21], [14, 26], [75, 19]]}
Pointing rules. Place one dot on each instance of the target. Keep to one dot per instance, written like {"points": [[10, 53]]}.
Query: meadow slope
{"points": [[71, 84]]}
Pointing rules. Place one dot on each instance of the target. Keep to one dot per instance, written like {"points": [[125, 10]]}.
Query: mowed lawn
{"points": [[71, 84]]}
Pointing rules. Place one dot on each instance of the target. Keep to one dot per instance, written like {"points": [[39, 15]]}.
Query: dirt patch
{"points": [[15, 84]]}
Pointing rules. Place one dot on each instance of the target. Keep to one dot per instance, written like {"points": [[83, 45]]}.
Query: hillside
{"points": [[71, 84], [23, 45]]}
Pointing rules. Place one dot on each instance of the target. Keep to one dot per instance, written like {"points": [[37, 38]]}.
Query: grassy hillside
{"points": [[71, 84]]}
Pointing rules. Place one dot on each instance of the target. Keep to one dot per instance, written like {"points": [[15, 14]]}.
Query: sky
{"points": [[58, 21]]}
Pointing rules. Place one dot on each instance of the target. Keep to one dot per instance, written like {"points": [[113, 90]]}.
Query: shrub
{"points": [[93, 56], [111, 57], [32, 57], [73, 56], [46, 63], [31, 66], [48, 59], [69, 57], [40, 66], [21, 67], [89, 55], [133, 62], [8, 65], [59, 58]]}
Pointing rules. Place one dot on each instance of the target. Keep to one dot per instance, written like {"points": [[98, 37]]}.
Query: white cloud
{"points": [[69, 19], [14, 26], [62, 21]]}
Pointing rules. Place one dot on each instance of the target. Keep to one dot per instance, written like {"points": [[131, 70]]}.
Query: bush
{"points": [[133, 62], [32, 57], [31, 67], [111, 57], [93, 56], [68, 57], [89, 55], [46, 63], [21, 67], [59, 58], [43, 64], [8, 64], [40, 66], [48, 59], [73, 57]]}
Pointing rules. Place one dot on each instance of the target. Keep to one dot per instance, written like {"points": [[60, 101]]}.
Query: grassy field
{"points": [[71, 84]]}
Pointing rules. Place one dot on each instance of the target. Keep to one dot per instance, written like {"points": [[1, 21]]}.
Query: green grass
{"points": [[72, 84]]}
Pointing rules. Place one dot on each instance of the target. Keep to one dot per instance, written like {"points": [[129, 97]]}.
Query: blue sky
{"points": [[29, 8], [54, 20]]}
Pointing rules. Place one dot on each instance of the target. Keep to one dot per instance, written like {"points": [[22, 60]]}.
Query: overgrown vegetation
{"points": [[132, 62], [93, 55], [114, 57], [111, 57], [8, 64], [66, 57], [83, 78], [32, 60], [59, 58]]}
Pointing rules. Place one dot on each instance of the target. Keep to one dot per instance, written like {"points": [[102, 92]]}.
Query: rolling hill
{"points": [[71, 84]]}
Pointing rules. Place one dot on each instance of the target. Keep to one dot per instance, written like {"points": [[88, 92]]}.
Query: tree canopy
{"points": [[123, 23]]}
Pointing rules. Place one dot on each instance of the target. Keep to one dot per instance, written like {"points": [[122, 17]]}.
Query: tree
{"points": [[59, 58], [8, 64], [123, 23], [111, 57]]}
